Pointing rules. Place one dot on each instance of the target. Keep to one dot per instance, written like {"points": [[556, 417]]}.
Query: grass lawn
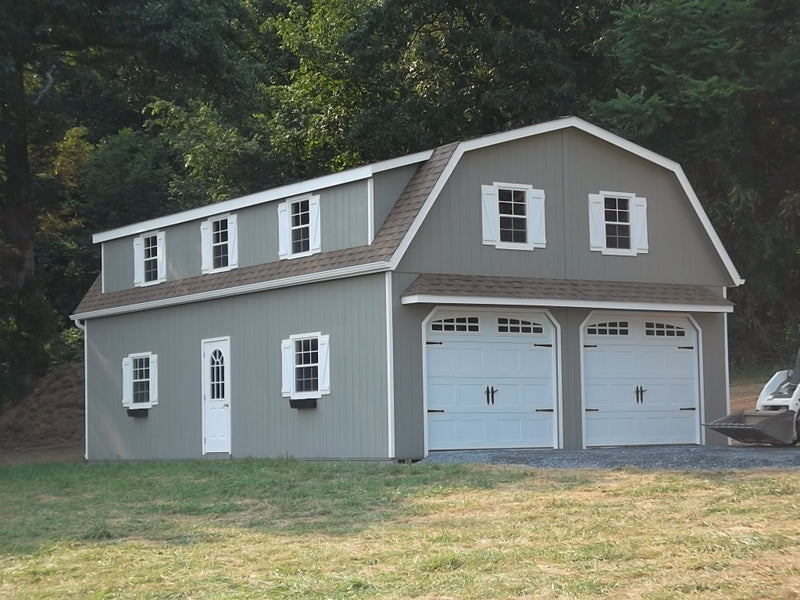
{"points": [[290, 529]]}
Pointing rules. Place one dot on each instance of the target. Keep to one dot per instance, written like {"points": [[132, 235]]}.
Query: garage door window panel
{"points": [[609, 328], [653, 329], [510, 325], [456, 325]]}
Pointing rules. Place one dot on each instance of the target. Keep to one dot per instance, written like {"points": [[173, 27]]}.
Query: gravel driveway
{"points": [[719, 458]]}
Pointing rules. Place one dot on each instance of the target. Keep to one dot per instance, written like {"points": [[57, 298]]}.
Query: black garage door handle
{"points": [[544, 410], [592, 410], [435, 410]]}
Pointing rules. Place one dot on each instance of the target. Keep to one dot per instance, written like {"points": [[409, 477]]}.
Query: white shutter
{"points": [[597, 221], [233, 243], [287, 368], [323, 357], [491, 219], [138, 261], [314, 222], [153, 379], [205, 246], [639, 225], [127, 382], [284, 232], [162, 258], [536, 223]]}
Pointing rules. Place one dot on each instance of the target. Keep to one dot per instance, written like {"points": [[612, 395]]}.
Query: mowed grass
{"points": [[291, 529]]}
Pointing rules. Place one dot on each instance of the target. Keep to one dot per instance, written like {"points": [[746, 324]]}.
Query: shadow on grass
{"points": [[192, 501]]}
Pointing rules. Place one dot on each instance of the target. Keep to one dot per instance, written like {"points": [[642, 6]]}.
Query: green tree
{"points": [[715, 85], [94, 64]]}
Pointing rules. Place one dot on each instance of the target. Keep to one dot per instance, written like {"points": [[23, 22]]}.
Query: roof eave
{"points": [[566, 303], [260, 286]]}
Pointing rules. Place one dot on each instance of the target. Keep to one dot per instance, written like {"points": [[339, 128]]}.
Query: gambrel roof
{"points": [[391, 241]]}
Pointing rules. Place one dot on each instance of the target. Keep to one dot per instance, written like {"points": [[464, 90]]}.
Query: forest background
{"points": [[115, 111]]}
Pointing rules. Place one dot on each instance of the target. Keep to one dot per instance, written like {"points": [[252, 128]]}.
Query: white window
{"points": [[618, 223], [305, 366], [219, 245], [140, 380], [513, 216], [149, 265], [298, 227]]}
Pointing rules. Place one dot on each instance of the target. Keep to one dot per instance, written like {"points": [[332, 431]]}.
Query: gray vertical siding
{"points": [[568, 166], [344, 217], [715, 373], [117, 264], [351, 422], [409, 413], [344, 222]]}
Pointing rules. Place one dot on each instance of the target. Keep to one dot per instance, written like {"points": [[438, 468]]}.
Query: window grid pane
{"points": [[513, 216], [306, 361], [217, 367], [219, 243], [618, 219], [457, 324], [150, 245], [663, 330], [610, 328], [141, 380], [511, 325], [301, 226]]}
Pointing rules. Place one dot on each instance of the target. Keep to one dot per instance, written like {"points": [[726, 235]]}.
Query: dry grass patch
{"points": [[285, 529]]}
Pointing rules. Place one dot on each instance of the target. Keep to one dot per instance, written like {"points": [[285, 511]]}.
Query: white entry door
{"points": [[641, 383], [216, 396], [490, 380]]}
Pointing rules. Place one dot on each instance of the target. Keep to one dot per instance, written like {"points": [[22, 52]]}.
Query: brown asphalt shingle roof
{"points": [[563, 290], [384, 245]]}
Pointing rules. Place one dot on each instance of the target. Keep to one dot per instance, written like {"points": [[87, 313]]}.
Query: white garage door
{"points": [[491, 380], [640, 381]]}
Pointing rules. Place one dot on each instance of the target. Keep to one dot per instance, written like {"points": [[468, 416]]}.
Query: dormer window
{"points": [[219, 244], [618, 223], [149, 265], [299, 227]]}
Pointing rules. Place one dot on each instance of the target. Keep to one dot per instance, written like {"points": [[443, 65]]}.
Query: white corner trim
{"points": [[278, 193], [370, 210], [545, 302], [260, 286], [390, 365]]}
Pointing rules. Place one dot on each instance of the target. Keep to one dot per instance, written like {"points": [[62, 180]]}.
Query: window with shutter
{"points": [[618, 223], [305, 366], [299, 227], [219, 244], [149, 262], [513, 216], [140, 380]]}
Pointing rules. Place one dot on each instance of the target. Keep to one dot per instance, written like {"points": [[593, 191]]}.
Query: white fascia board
{"points": [[545, 302], [261, 286], [593, 130], [279, 193]]}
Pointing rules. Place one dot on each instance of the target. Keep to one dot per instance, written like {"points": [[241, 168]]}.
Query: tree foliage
{"points": [[714, 84]]}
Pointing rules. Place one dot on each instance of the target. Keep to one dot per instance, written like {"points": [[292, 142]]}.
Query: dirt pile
{"points": [[51, 415]]}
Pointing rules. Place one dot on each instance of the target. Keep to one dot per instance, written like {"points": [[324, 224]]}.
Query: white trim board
{"points": [[545, 302]]}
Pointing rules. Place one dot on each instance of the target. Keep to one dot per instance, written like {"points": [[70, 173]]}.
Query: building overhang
{"points": [[474, 290]]}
